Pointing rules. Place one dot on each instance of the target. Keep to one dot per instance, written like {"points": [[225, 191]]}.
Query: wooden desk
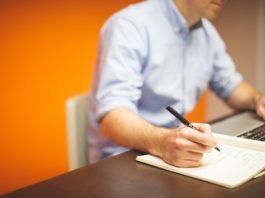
{"points": [[122, 176]]}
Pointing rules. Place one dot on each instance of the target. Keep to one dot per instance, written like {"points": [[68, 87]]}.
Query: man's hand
{"points": [[246, 97], [260, 105], [184, 147]]}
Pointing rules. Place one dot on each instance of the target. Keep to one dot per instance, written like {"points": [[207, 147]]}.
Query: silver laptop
{"points": [[245, 125]]}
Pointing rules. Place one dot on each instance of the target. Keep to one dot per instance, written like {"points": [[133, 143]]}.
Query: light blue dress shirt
{"points": [[148, 58]]}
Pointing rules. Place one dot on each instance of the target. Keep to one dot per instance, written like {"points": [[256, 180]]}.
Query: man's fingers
{"points": [[193, 156], [186, 163], [261, 111], [198, 137], [206, 128], [186, 145], [260, 106]]}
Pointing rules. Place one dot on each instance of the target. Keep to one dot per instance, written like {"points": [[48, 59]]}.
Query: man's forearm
{"points": [[244, 96], [183, 146], [125, 128]]}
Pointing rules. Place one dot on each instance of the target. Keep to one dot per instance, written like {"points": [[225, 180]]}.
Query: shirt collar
{"points": [[176, 19], [197, 25]]}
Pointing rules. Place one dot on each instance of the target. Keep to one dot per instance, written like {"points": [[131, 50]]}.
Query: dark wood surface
{"points": [[121, 176]]}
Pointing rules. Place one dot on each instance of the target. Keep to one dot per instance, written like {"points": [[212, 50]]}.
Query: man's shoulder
{"points": [[143, 8], [139, 13]]}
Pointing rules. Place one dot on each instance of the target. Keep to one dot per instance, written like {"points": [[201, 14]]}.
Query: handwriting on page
{"points": [[233, 162]]}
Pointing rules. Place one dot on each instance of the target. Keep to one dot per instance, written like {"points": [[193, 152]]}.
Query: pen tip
{"points": [[217, 149]]}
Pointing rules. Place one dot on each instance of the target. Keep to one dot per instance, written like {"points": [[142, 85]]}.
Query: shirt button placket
{"points": [[185, 99]]}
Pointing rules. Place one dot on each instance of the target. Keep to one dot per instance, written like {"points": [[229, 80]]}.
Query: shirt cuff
{"points": [[233, 83]]}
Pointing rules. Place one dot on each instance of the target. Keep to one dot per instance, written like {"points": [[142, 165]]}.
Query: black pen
{"points": [[184, 121]]}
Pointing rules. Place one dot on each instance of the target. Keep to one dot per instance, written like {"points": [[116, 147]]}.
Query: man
{"points": [[154, 54]]}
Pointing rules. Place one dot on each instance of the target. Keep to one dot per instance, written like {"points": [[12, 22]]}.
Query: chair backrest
{"points": [[77, 130]]}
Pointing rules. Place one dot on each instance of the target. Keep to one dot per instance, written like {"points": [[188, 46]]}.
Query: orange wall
{"points": [[47, 53]]}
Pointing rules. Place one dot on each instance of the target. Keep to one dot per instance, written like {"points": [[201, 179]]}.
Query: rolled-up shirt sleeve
{"points": [[121, 56], [225, 77]]}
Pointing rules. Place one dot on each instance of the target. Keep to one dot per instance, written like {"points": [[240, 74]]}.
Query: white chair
{"points": [[77, 130]]}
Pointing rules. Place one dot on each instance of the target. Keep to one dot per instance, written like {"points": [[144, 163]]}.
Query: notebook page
{"points": [[230, 167], [240, 142]]}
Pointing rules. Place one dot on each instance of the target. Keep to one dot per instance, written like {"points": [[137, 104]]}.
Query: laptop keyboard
{"points": [[255, 134]]}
